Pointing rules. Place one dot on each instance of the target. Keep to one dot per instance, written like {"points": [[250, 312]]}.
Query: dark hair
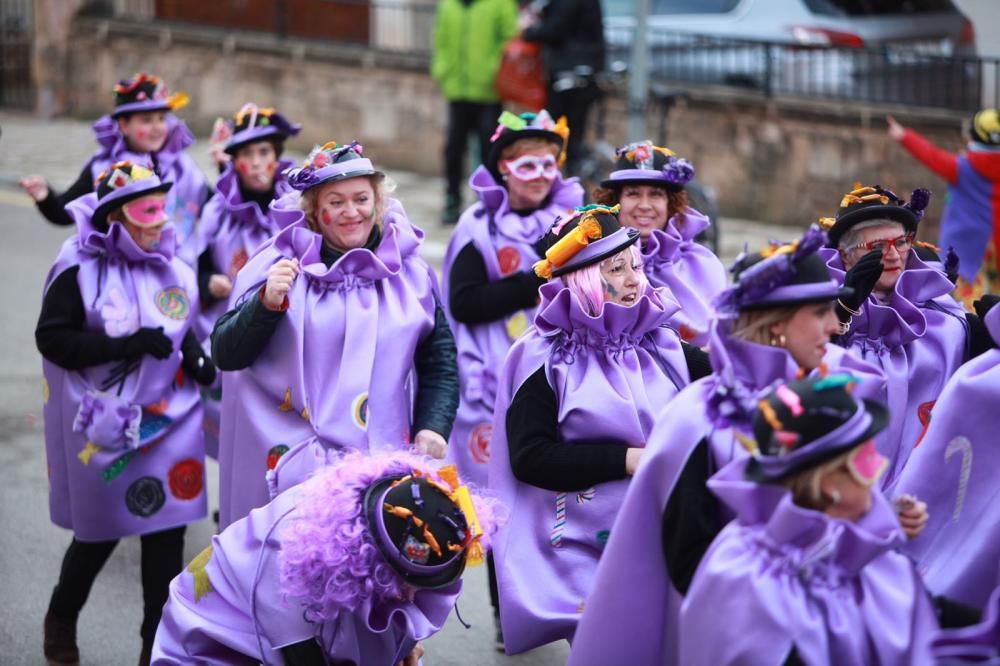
{"points": [[677, 200]]}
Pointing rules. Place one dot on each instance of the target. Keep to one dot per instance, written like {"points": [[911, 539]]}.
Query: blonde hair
{"points": [[755, 325], [382, 186], [522, 146], [805, 485]]}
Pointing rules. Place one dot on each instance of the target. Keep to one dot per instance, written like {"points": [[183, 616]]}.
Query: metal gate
{"points": [[15, 54]]}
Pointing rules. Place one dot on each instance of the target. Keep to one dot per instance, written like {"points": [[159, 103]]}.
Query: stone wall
{"points": [[775, 160]]}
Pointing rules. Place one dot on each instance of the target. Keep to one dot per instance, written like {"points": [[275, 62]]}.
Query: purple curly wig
{"points": [[329, 560]]}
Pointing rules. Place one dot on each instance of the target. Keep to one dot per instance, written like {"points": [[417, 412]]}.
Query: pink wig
{"points": [[586, 282], [328, 558]]}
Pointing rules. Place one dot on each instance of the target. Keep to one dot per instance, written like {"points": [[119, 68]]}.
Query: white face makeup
{"points": [[527, 186], [620, 278]]}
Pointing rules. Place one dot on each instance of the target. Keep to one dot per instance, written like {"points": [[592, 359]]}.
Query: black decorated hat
{"points": [[120, 183], [512, 127], [875, 203], [425, 530], [985, 127], [252, 124], [645, 164], [145, 92], [585, 236], [329, 163], [803, 424], [780, 276]]}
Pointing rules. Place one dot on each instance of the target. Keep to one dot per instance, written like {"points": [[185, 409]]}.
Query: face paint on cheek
{"points": [[140, 133], [609, 289], [325, 217], [243, 168], [271, 168]]}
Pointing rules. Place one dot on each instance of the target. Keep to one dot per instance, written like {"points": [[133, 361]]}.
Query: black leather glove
{"points": [[951, 265], [985, 304], [861, 278], [199, 368], [150, 341]]}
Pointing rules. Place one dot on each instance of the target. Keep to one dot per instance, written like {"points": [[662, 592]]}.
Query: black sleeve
{"points": [[206, 269], [691, 519], [305, 653], [980, 339], [955, 615], [53, 207], [436, 363], [698, 363], [474, 299], [555, 25], [793, 658], [241, 334], [539, 458], [60, 335]]}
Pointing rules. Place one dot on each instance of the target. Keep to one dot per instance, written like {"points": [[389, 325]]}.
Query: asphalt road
{"points": [[31, 548]]}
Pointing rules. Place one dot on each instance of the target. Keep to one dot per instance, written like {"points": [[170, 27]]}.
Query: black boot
{"points": [[59, 643]]}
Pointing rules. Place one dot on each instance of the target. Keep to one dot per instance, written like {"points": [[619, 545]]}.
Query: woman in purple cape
{"points": [[648, 183], [122, 415], [353, 566], [575, 404], [336, 332], [808, 572], [900, 316], [774, 324], [492, 290], [236, 221], [143, 130], [953, 468]]}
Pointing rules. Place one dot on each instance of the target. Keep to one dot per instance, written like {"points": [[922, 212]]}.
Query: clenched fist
{"points": [[280, 278]]}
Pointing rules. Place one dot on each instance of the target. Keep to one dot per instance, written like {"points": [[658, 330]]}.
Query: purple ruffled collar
{"points": [[248, 212], [901, 320], [663, 245], [113, 147], [115, 243], [400, 242], [562, 317], [804, 541], [565, 194]]}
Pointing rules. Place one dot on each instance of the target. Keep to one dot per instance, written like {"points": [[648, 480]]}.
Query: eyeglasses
{"points": [[901, 243], [530, 167]]}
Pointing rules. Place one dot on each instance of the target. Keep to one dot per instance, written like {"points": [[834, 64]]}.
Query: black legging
{"points": [[162, 560]]}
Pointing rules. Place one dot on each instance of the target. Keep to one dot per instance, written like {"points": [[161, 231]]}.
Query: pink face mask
{"points": [[148, 211], [530, 167], [866, 464]]}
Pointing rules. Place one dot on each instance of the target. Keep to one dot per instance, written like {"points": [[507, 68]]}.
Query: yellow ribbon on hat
{"points": [[587, 229], [178, 100], [460, 495]]}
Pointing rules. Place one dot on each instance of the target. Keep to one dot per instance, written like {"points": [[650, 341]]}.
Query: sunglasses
{"points": [[147, 211], [901, 243], [866, 464], [530, 167]]}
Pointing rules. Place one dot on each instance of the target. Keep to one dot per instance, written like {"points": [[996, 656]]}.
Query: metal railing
{"points": [[888, 75]]}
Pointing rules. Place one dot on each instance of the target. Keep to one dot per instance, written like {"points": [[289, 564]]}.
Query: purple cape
{"points": [[504, 239], [919, 340], [953, 469], [339, 365], [244, 617], [782, 577], [671, 258], [978, 644], [173, 165], [610, 374], [633, 572], [125, 454]]}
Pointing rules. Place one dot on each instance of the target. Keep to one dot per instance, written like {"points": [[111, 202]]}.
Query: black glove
{"points": [[150, 341], [951, 265], [199, 368], [861, 278], [985, 304]]}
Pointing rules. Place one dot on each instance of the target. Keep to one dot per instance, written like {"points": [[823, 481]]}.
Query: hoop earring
{"points": [[778, 341]]}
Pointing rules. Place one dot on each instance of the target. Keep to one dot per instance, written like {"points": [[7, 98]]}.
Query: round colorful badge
{"points": [[274, 455], [359, 409], [510, 260], [517, 325], [479, 443], [173, 302], [145, 496], [186, 479]]}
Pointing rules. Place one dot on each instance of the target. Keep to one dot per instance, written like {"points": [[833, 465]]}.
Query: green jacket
{"points": [[468, 43]]}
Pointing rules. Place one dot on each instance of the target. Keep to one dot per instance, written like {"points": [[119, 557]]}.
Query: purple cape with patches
{"points": [[782, 577], [172, 165], [633, 573], [246, 618], [125, 457], [918, 339], [954, 470], [671, 258], [339, 365], [504, 239], [610, 375], [978, 644]]}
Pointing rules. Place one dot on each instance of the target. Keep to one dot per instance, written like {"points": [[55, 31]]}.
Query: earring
{"points": [[835, 496], [778, 341], [503, 177]]}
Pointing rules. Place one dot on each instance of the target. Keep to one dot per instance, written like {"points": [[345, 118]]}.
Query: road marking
{"points": [[15, 198]]}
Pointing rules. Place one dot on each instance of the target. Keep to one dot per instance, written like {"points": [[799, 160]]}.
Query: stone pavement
{"points": [[58, 150]]}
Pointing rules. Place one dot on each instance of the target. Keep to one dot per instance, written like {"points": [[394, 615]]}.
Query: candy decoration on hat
{"points": [[121, 183], [585, 236], [253, 123], [145, 92], [511, 128], [329, 163], [644, 163], [875, 202]]}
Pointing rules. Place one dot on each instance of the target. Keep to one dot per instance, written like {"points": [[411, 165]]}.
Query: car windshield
{"points": [[878, 7], [660, 7]]}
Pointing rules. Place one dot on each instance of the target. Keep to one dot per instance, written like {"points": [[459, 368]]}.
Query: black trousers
{"points": [[463, 119], [575, 104], [162, 560]]}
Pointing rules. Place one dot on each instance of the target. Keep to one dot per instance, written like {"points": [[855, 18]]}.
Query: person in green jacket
{"points": [[469, 36]]}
